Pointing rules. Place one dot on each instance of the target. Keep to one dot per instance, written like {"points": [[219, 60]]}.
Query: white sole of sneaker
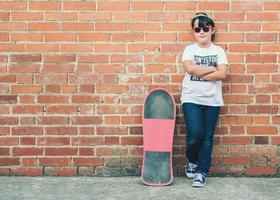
{"points": [[198, 184], [190, 175]]}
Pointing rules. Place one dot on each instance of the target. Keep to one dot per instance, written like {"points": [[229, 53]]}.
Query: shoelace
{"points": [[192, 166], [199, 177]]}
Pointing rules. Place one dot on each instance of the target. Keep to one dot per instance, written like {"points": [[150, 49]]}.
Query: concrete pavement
{"points": [[131, 188]]}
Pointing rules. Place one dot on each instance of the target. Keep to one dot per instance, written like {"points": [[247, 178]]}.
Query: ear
{"points": [[213, 30]]}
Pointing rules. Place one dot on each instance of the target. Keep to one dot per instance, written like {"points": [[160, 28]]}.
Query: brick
{"points": [[144, 27], [104, 151], [262, 130], [93, 37], [4, 37], [9, 141], [262, 16], [236, 160], [4, 152], [246, 6], [77, 5], [88, 161], [20, 171], [275, 140], [86, 99], [60, 171], [237, 140], [52, 99], [275, 98], [13, 5], [53, 141], [271, 47], [112, 140], [261, 37], [7, 78], [103, 130], [258, 109], [86, 120], [76, 47], [25, 141], [25, 58], [113, 26], [58, 68], [160, 37], [59, 151], [180, 6], [239, 99], [112, 89], [261, 58], [128, 140], [61, 16], [8, 99], [27, 151], [222, 6], [33, 5], [54, 161], [109, 48], [27, 109], [260, 170], [263, 99], [162, 16], [59, 58], [271, 5], [111, 109], [244, 48], [113, 6], [42, 47], [270, 26], [109, 69], [125, 120], [262, 79], [60, 37], [240, 78], [147, 6], [77, 26], [229, 16], [261, 140], [264, 88], [28, 130], [62, 109], [27, 16], [61, 130], [127, 37], [230, 37], [26, 37], [12, 48], [87, 141], [25, 68], [4, 130], [43, 26], [4, 16]]}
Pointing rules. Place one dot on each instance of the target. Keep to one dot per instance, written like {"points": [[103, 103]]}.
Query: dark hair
{"points": [[204, 20]]}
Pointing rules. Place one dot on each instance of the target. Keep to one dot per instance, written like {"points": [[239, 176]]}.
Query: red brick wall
{"points": [[74, 76]]}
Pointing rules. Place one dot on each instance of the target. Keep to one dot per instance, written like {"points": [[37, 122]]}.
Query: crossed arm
{"points": [[206, 72]]}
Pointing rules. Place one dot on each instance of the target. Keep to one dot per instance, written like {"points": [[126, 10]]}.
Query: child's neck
{"points": [[204, 45]]}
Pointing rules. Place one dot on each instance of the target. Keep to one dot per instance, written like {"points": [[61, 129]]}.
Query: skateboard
{"points": [[158, 128]]}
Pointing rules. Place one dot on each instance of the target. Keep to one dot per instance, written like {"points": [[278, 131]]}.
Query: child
{"points": [[205, 65]]}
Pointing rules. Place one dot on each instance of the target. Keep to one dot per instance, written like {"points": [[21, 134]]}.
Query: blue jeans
{"points": [[200, 123]]}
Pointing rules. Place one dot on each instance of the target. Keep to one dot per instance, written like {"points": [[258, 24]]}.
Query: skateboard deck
{"points": [[158, 128]]}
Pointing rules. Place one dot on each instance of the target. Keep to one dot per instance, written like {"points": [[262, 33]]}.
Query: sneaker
{"points": [[199, 180], [190, 170]]}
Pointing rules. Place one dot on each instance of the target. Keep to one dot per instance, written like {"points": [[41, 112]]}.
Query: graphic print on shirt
{"points": [[211, 60]]}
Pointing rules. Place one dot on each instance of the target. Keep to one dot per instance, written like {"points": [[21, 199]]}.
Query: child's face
{"points": [[202, 34]]}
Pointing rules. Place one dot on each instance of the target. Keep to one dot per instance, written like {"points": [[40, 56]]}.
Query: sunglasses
{"points": [[205, 29]]}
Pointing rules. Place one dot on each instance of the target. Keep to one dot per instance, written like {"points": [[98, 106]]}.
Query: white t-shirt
{"points": [[199, 91]]}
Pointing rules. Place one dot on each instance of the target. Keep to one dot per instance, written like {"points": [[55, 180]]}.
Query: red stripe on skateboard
{"points": [[158, 134]]}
